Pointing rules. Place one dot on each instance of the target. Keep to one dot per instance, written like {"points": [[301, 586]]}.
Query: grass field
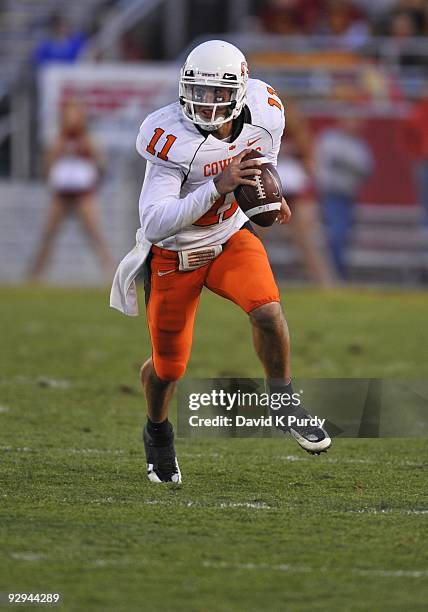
{"points": [[257, 524]]}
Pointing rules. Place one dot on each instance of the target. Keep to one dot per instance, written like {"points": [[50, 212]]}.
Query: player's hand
{"points": [[237, 173], [284, 214]]}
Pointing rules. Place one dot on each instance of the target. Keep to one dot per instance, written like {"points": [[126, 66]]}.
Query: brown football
{"points": [[261, 204]]}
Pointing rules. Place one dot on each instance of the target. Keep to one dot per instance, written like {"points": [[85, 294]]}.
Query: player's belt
{"points": [[191, 259], [196, 258]]}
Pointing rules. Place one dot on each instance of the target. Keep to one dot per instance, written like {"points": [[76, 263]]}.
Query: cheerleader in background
{"points": [[73, 168]]}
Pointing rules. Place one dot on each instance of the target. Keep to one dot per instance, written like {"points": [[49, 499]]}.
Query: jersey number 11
{"points": [[163, 153]]}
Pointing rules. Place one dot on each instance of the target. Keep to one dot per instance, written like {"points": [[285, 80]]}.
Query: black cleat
{"points": [[298, 422], [312, 438], [162, 465]]}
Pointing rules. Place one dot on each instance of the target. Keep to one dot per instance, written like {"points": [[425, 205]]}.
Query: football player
{"points": [[193, 234]]}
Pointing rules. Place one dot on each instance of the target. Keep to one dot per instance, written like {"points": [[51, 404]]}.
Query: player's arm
{"points": [[163, 213], [274, 120]]}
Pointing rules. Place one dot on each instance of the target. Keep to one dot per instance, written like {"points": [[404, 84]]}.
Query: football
{"points": [[261, 204]]}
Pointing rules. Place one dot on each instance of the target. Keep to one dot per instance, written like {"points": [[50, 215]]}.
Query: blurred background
{"points": [[77, 79]]}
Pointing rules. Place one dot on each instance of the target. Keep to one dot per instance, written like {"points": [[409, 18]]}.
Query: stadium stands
{"points": [[365, 56], [387, 247]]}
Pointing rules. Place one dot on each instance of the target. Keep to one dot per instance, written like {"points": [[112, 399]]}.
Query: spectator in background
{"points": [[347, 23], [415, 139], [60, 45], [340, 18], [376, 10], [290, 17], [403, 29], [343, 164], [295, 168], [402, 26], [73, 167], [417, 12], [280, 17]]}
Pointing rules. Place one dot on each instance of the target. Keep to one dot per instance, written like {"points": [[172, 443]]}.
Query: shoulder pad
{"points": [[266, 107], [168, 139]]}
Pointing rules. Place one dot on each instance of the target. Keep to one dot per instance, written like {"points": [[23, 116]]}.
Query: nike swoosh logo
{"points": [[160, 273], [251, 142]]}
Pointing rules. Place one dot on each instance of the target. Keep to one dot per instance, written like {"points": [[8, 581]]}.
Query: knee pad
{"points": [[169, 370]]}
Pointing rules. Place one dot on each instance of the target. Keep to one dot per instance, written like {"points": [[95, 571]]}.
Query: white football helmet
{"points": [[213, 84]]}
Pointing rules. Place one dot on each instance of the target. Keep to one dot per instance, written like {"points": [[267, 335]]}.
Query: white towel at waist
{"points": [[123, 294]]}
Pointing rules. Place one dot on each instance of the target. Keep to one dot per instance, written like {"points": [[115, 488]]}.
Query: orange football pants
{"points": [[241, 273]]}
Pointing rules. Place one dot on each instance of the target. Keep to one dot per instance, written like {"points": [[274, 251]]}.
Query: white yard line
{"points": [[282, 567], [287, 567], [291, 458], [392, 573], [41, 381], [250, 505], [342, 461], [254, 505], [218, 506], [385, 511], [72, 451], [31, 556], [27, 556]]}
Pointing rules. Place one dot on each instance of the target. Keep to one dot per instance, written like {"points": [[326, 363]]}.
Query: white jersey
{"points": [[180, 207]]}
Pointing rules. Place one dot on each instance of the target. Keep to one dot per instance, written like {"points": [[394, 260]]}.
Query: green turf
{"points": [[257, 524]]}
